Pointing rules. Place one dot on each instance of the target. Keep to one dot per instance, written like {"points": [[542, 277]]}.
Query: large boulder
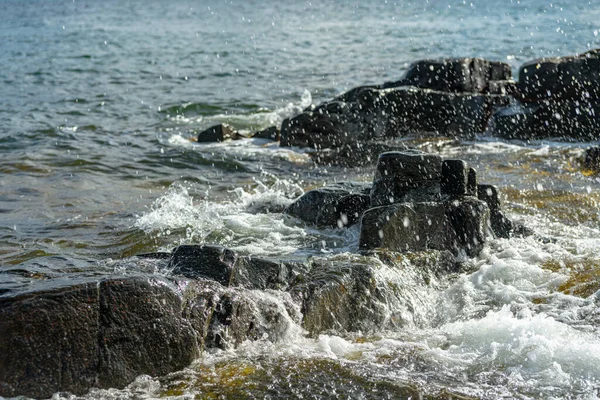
{"points": [[73, 336], [375, 114], [572, 77], [340, 204]]}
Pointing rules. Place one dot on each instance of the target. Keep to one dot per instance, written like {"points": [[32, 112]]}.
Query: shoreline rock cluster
{"points": [[105, 331], [555, 97]]}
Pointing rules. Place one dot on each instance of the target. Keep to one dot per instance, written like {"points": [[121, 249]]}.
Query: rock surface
{"points": [[97, 333], [218, 133], [339, 204]]}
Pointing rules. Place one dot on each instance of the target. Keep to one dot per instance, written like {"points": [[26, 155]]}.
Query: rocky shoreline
{"points": [[420, 210]]}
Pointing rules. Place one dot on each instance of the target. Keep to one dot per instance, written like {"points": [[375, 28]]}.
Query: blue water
{"points": [[99, 101]]}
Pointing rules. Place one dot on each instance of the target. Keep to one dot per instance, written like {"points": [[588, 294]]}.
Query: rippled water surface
{"points": [[100, 100]]}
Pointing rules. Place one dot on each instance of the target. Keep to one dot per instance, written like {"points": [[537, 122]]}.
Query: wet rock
{"points": [[218, 133], [338, 204], [102, 333], [500, 224], [410, 175], [374, 114], [361, 293], [463, 75], [271, 133], [141, 331], [562, 119], [226, 317], [405, 227], [470, 222], [356, 154], [591, 159], [455, 177], [40, 333], [204, 261], [332, 125], [472, 182], [224, 266], [573, 77]]}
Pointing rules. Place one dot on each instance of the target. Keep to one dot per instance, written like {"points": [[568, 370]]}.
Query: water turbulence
{"points": [[432, 236]]}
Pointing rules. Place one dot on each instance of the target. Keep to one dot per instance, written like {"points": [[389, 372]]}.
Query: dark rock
{"points": [[409, 175], [508, 87], [141, 331], [225, 267], [500, 224], [100, 333], [155, 256], [258, 273], [379, 114], [591, 159], [573, 77], [218, 133], [470, 221], [463, 75], [333, 124], [563, 119], [271, 133], [405, 227], [455, 177], [350, 295], [338, 204], [472, 182], [226, 317], [49, 342], [205, 261], [410, 111]]}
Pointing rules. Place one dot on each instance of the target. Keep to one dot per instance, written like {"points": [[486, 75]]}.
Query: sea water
{"points": [[100, 101]]}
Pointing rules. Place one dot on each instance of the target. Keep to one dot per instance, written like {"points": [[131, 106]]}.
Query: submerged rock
{"points": [[271, 133], [218, 133]]}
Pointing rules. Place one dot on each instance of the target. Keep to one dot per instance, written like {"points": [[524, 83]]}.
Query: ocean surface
{"points": [[100, 101]]}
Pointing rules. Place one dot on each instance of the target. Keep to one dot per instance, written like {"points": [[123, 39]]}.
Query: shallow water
{"points": [[99, 102]]}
